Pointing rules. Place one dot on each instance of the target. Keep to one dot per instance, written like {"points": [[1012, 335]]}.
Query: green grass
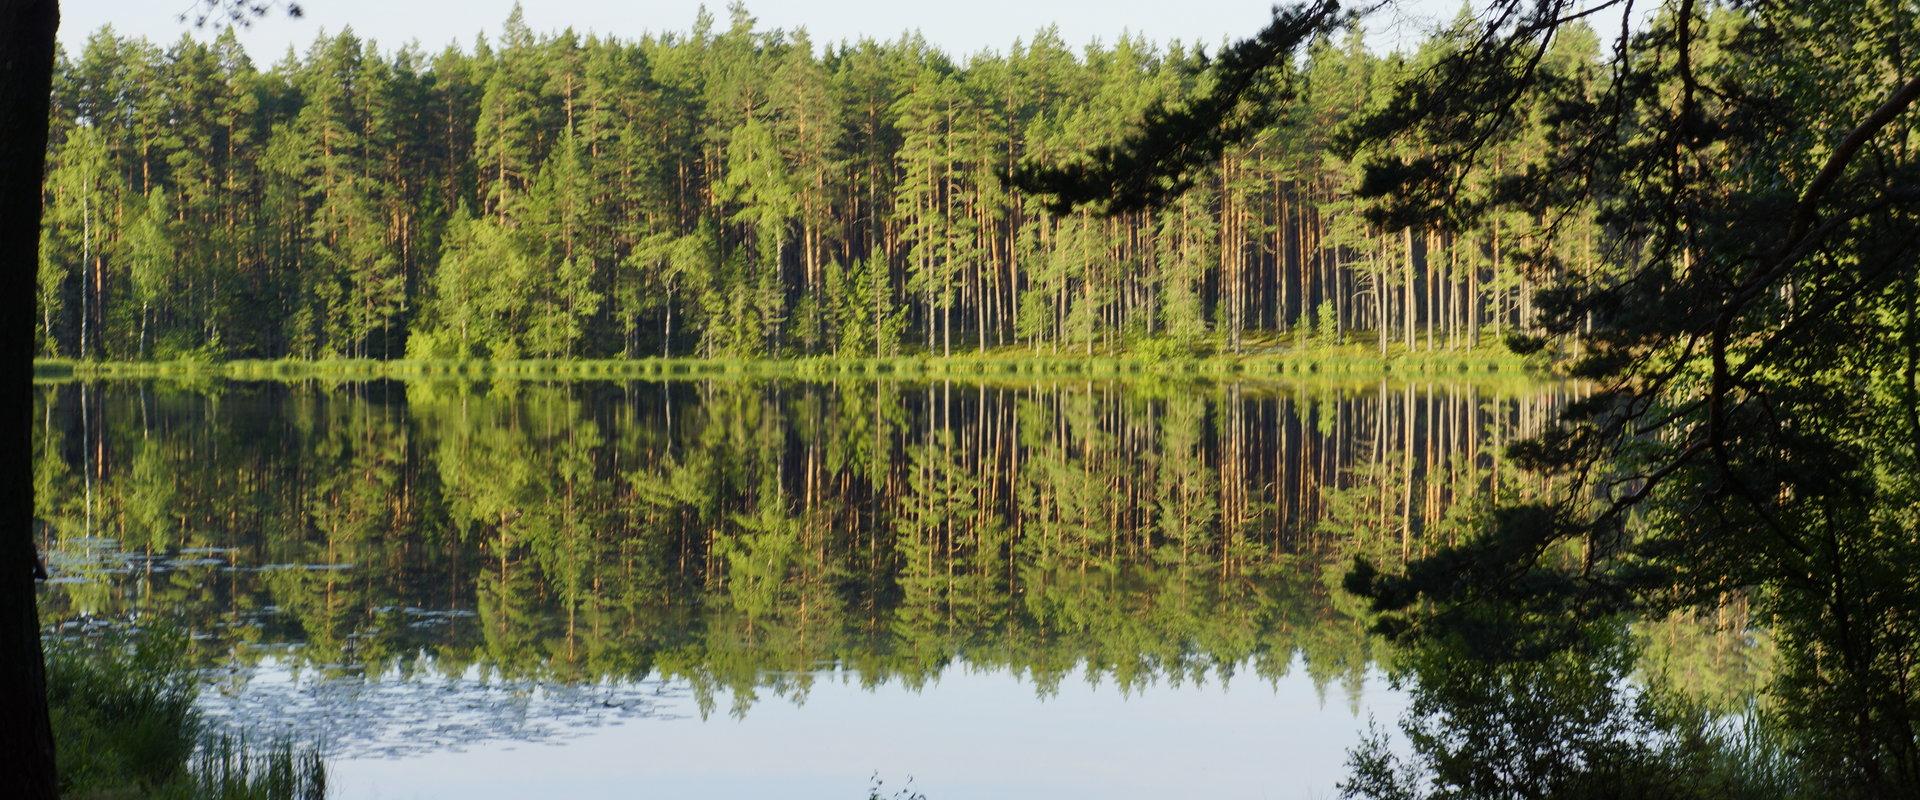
{"points": [[1269, 357], [125, 726]]}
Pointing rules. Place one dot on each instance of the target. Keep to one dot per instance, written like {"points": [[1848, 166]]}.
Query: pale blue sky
{"points": [[960, 28]]}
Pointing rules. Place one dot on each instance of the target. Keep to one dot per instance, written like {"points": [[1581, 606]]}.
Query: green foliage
{"points": [[123, 715], [1567, 726], [862, 311], [125, 725], [1326, 324], [478, 294], [728, 194], [1201, 361], [1754, 338], [150, 257]]}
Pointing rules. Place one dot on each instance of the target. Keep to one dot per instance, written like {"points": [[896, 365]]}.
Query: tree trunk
{"points": [[27, 30], [1407, 296], [1381, 329]]}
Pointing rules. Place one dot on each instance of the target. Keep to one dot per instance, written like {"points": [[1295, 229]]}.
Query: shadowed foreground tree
{"points": [[1753, 334], [1176, 142], [26, 73]]}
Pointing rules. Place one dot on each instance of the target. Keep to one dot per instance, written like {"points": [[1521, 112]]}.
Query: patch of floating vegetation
{"points": [[299, 567], [427, 617], [274, 692], [351, 714], [87, 559]]}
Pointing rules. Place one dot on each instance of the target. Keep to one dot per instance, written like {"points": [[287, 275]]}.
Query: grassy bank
{"points": [[1255, 360], [125, 726]]}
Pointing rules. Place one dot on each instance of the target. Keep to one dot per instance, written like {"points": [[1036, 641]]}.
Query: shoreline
{"points": [[1304, 363], [1295, 363]]}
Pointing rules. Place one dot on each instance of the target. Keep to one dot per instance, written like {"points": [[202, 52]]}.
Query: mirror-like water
{"points": [[771, 589]]}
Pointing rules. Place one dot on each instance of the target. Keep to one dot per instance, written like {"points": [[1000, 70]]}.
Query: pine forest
{"points": [[733, 192]]}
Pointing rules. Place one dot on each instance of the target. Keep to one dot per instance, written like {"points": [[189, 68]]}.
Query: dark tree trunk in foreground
{"points": [[26, 75]]}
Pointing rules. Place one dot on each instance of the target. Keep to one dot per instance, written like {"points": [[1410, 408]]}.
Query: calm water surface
{"points": [[770, 589]]}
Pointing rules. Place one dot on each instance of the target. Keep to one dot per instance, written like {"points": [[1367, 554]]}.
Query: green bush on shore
{"points": [[125, 726], [1157, 357]]}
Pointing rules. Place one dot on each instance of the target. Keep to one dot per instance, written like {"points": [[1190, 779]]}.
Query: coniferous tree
{"points": [[693, 194]]}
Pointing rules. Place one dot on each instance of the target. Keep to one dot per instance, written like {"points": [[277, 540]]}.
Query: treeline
{"points": [[726, 192]]}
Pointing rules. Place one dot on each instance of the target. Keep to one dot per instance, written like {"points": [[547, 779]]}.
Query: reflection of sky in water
{"points": [[971, 734], [450, 587], [389, 716]]}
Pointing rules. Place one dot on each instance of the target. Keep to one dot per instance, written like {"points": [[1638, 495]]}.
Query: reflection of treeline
{"points": [[744, 534]]}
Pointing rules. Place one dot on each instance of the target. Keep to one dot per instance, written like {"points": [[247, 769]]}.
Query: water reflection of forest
{"points": [[742, 536]]}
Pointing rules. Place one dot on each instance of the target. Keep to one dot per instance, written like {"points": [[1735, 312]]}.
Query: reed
{"points": [[125, 725]]}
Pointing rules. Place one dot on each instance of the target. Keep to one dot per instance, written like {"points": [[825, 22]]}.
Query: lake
{"points": [[769, 588]]}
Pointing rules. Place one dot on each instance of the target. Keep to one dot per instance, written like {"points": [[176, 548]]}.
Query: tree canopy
{"points": [[1750, 323], [736, 191]]}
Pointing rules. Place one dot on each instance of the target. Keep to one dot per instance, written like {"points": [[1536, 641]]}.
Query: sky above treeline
{"points": [[960, 28]]}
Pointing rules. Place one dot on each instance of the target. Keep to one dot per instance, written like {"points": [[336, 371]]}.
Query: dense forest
{"points": [[1708, 218], [733, 192]]}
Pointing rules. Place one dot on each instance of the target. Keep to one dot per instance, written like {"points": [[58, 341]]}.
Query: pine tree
{"points": [[691, 194], [555, 228]]}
